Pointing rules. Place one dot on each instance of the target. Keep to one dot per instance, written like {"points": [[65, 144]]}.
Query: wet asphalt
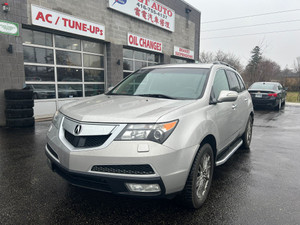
{"points": [[260, 186]]}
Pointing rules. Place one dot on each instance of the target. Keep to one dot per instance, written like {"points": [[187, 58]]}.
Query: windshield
{"points": [[172, 83], [263, 86]]}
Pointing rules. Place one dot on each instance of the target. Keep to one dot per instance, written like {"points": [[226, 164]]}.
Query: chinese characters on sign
{"points": [[67, 23], [149, 11], [144, 43], [184, 53]]}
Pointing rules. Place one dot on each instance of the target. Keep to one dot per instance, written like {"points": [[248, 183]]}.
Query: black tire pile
{"points": [[19, 108]]}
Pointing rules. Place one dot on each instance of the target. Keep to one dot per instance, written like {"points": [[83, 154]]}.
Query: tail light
{"points": [[272, 94]]}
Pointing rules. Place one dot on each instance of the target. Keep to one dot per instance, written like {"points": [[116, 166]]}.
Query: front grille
{"points": [[125, 169], [86, 141]]}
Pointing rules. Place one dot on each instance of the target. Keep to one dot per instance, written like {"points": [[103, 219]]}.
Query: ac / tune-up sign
{"points": [[59, 21], [150, 11]]}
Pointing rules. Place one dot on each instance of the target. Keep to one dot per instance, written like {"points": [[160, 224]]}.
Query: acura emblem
{"points": [[77, 129]]}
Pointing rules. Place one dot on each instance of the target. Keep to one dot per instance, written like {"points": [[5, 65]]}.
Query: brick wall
{"points": [[11, 64]]}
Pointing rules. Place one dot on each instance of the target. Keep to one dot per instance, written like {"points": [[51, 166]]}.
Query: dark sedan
{"points": [[270, 94]]}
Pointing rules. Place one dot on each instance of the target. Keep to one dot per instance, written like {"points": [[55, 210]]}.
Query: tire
{"points": [[278, 107], [247, 135], [16, 94], [19, 104], [23, 122], [200, 177], [18, 113]]}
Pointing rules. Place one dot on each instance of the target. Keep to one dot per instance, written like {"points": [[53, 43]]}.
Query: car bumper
{"points": [[265, 102], [170, 167]]}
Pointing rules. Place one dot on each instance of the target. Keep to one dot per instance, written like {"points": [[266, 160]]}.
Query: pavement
{"points": [[260, 186]]}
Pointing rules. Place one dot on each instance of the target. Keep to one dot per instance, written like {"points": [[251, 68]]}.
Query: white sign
{"points": [[59, 21], [184, 53], [149, 11], [144, 43]]}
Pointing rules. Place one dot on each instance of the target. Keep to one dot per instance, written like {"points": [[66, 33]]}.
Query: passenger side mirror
{"points": [[228, 96]]}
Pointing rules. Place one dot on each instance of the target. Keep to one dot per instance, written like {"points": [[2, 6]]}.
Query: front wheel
{"points": [[199, 180], [247, 136]]}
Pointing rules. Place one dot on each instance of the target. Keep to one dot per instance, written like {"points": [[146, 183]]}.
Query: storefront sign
{"points": [[144, 43], [63, 22], [9, 28], [149, 11], [184, 53]]}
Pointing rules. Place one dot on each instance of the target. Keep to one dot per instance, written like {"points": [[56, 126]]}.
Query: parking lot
{"points": [[256, 187]]}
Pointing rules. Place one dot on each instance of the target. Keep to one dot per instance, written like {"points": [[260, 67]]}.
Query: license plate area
{"points": [[258, 95]]}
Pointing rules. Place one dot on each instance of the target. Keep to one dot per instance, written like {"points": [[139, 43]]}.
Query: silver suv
{"points": [[160, 132]]}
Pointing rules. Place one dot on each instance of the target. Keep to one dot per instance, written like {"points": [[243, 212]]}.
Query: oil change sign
{"points": [[149, 11], [144, 43], [59, 21], [9, 28]]}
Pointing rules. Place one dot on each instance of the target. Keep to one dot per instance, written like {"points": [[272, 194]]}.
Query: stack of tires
{"points": [[19, 108]]}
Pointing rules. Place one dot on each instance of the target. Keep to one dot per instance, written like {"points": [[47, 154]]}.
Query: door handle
{"points": [[234, 106], [246, 99]]}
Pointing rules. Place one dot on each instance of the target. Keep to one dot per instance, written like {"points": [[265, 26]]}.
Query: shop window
{"points": [[93, 61], [38, 55], [67, 43], [39, 73], [68, 58], [42, 91], [93, 75], [37, 38], [69, 90], [93, 89], [93, 47], [78, 69], [134, 60], [69, 75]]}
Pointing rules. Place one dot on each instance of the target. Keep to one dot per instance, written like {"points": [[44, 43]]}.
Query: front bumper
{"points": [[105, 183], [105, 168]]}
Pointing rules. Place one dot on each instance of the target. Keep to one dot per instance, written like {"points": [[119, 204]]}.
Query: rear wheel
{"points": [[200, 177], [278, 107]]}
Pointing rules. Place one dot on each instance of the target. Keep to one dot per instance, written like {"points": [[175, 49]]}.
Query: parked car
{"points": [[159, 133], [271, 94]]}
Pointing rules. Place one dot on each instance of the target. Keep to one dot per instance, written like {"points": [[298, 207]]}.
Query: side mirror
{"points": [[228, 96]]}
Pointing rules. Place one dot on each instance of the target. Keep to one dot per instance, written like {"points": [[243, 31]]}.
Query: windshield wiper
{"points": [[156, 96]]}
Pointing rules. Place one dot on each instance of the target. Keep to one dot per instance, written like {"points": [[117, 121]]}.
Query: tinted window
{"points": [[242, 85], [220, 83], [233, 81]]}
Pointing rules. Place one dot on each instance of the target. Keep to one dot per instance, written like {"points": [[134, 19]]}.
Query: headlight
{"points": [[153, 132], [57, 119]]}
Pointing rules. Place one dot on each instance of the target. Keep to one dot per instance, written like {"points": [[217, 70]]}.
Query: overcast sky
{"points": [[281, 47]]}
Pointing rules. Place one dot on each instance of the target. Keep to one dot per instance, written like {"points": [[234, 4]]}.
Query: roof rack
{"points": [[224, 63]]}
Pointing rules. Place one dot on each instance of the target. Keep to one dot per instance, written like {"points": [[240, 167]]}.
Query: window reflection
{"points": [[42, 91], [39, 73], [93, 47], [68, 58], [67, 42], [93, 75], [69, 75], [93, 89], [69, 90], [38, 55], [37, 38], [93, 61]]}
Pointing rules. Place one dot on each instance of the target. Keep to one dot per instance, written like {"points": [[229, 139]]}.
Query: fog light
{"points": [[143, 187]]}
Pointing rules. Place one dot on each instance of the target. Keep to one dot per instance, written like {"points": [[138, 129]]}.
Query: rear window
{"points": [[263, 86]]}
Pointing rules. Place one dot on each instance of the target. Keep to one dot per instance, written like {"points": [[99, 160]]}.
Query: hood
{"points": [[121, 109]]}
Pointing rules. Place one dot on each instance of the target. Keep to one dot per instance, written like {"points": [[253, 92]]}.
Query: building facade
{"points": [[66, 50]]}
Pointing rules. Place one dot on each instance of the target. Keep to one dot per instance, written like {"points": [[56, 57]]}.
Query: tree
{"points": [[231, 59]]}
